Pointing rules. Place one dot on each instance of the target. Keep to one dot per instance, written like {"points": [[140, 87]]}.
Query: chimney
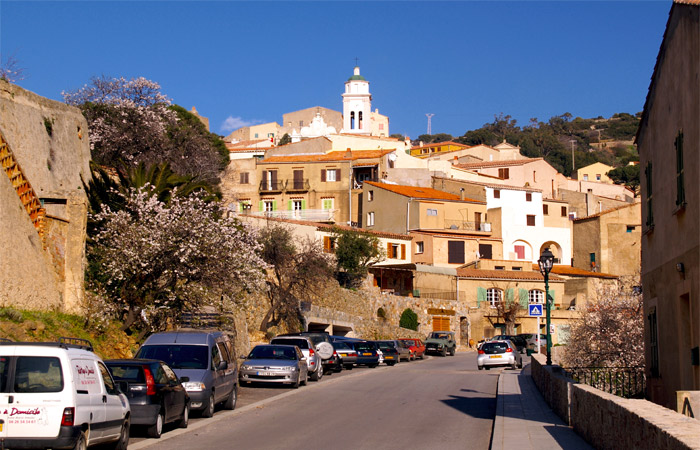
{"points": [[348, 153], [461, 193]]}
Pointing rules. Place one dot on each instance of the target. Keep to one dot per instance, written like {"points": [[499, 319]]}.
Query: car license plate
{"points": [[264, 374], [366, 354], [0, 427], [495, 356], [388, 357]]}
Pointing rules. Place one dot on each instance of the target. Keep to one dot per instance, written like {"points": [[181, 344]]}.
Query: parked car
{"points": [[520, 343], [531, 340], [416, 346], [324, 348], [204, 361], [347, 354], [313, 359], [498, 353], [55, 392], [393, 352], [155, 393], [366, 353], [269, 363], [441, 343]]}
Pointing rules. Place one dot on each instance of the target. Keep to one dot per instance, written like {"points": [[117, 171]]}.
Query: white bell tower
{"points": [[357, 105]]}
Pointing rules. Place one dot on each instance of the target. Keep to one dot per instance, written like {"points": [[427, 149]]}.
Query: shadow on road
{"points": [[477, 407]]}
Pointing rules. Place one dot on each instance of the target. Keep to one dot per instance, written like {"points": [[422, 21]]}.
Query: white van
{"points": [[59, 395]]}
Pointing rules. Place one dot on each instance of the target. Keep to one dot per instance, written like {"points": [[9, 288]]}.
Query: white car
{"points": [[313, 359], [498, 354], [59, 395]]}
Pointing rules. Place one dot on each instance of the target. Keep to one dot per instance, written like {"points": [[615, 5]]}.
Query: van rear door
{"points": [[33, 396], [88, 385]]}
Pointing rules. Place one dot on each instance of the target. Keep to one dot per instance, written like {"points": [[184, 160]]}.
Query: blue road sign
{"points": [[535, 310]]}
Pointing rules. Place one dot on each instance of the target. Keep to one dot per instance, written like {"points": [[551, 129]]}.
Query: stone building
{"points": [[668, 140], [45, 154]]}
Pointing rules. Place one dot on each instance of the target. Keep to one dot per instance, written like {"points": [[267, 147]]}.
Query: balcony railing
{"points": [[313, 215], [271, 186], [626, 382], [297, 185], [467, 226]]}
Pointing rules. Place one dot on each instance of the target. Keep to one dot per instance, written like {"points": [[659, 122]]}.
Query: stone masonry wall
{"points": [[610, 422]]}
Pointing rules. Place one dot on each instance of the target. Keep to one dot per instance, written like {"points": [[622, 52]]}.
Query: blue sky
{"points": [[250, 62]]}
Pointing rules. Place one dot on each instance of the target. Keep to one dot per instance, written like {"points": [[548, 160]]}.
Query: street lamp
{"points": [[546, 262]]}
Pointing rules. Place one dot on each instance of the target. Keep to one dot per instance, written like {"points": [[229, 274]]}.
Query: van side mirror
{"points": [[223, 365]]}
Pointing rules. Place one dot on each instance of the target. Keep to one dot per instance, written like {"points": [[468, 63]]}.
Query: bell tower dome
{"points": [[357, 105]]}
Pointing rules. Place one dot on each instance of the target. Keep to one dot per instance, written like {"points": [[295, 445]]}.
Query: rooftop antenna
{"points": [[429, 116]]}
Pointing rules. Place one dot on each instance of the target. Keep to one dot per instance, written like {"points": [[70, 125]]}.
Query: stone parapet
{"points": [[610, 422]]}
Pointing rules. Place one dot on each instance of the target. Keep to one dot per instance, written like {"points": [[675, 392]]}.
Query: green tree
{"points": [[354, 252], [627, 175], [285, 139], [409, 319]]}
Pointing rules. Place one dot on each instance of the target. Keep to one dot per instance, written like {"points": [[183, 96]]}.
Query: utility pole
{"points": [[573, 161]]}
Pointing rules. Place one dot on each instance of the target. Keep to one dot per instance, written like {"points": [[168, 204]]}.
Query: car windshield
{"points": [[365, 346], [177, 356], [126, 372], [439, 336], [407, 342], [494, 347], [273, 352], [301, 343], [384, 345]]}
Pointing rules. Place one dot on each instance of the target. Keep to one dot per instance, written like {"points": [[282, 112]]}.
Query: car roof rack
{"points": [[75, 343]]}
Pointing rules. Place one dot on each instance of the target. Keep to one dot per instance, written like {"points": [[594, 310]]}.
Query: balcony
{"points": [[268, 186], [297, 185], [462, 225], [312, 215]]}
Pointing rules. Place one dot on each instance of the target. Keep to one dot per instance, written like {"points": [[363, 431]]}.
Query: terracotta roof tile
{"points": [[576, 272], [327, 157], [688, 2], [421, 192], [504, 275], [508, 163]]}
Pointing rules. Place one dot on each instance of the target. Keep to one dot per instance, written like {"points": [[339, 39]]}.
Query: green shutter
{"points": [[289, 205], [524, 299], [303, 204], [509, 297], [261, 206], [550, 295], [480, 296], [274, 205]]}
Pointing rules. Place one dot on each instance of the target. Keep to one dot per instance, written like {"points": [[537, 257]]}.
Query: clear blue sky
{"points": [[250, 62]]}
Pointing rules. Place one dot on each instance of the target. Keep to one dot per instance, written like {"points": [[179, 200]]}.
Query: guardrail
{"points": [[626, 382]]}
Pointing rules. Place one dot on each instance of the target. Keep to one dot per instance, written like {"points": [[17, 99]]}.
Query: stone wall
{"points": [[610, 422], [49, 140]]}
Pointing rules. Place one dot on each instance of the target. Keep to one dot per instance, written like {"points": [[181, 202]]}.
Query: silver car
{"points": [[275, 364], [313, 359], [498, 354]]}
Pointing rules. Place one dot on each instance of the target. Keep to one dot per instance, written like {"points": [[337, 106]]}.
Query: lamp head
{"points": [[546, 261]]}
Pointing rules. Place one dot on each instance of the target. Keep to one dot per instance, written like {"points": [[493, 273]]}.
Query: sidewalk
{"points": [[525, 421]]}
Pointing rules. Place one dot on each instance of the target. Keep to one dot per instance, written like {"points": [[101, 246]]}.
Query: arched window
{"points": [[359, 121], [494, 296], [536, 296], [352, 120]]}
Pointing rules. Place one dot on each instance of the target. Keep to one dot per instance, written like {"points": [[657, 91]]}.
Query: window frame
{"points": [[531, 218], [494, 296], [535, 296]]}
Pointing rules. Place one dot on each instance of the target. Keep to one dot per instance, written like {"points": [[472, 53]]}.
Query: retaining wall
{"points": [[610, 422]]}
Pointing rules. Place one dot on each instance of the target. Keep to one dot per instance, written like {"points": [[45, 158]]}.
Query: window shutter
{"points": [[261, 206], [523, 298], [323, 174], [303, 204], [403, 251], [509, 297], [337, 174], [389, 252], [274, 205], [326, 244], [480, 296], [289, 205], [550, 296]]}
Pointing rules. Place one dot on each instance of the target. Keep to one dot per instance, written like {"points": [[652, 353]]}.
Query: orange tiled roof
{"points": [[328, 157], [607, 211], [421, 192], [504, 275], [688, 2], [576, 272], [485, 164]]}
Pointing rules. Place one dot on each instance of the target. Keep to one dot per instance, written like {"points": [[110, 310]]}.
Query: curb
{"points": [[497, 431]]}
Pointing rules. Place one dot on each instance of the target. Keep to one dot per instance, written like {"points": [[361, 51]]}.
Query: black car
{"points": [[520, 343], [155, 393], [390, 350], [366, 353]]}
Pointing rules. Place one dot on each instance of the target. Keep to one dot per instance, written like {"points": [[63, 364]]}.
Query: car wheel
{"points": [[348, 366], [123, 441], [81, 443], [390, 363], [208, 410], [443, 352], [185, 420], [316, 376], [155, 430], [232, 398], [487, 368], [514, 366], [481, 367], [371, 366], [295, 385], [453, 351], [422, 356]]}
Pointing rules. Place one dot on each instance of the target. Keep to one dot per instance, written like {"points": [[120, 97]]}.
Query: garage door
{"points": [[441, 323]]}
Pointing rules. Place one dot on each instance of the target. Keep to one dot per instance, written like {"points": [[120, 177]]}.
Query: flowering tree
{"points": [[132, 122], [154, 260], [611, 330]]}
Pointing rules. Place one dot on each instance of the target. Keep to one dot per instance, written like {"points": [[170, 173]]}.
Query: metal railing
{"points": [[435, 293], [298, 185], [314, 215], [626, 382], [271, 186], [451, 224]]}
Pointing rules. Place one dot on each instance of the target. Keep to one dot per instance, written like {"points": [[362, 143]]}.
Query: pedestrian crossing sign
{"points": [[534, 310]]}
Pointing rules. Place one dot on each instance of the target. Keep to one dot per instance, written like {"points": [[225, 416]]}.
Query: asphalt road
{"points": [[440, 403]]}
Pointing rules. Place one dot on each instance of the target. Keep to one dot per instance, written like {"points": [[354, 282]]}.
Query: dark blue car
{"points": [[366, 353]]}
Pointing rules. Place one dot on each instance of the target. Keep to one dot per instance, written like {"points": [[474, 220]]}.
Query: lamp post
{"points": [[546, 262]]}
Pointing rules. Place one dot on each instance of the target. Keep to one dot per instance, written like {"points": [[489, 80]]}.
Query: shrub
{"points": [[409, 319]]}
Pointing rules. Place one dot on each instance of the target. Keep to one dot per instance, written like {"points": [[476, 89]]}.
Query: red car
{"points": [[415, 346]]}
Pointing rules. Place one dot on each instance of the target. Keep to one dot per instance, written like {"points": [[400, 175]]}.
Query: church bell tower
{"points": [[357, 105]]}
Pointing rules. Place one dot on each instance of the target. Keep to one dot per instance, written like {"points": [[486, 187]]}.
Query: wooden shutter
{"points": [[327, 244], [480, 296], [441, 323], [455, 252], [323, 175], [389, 250], [485, 251], [403, 251]]}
